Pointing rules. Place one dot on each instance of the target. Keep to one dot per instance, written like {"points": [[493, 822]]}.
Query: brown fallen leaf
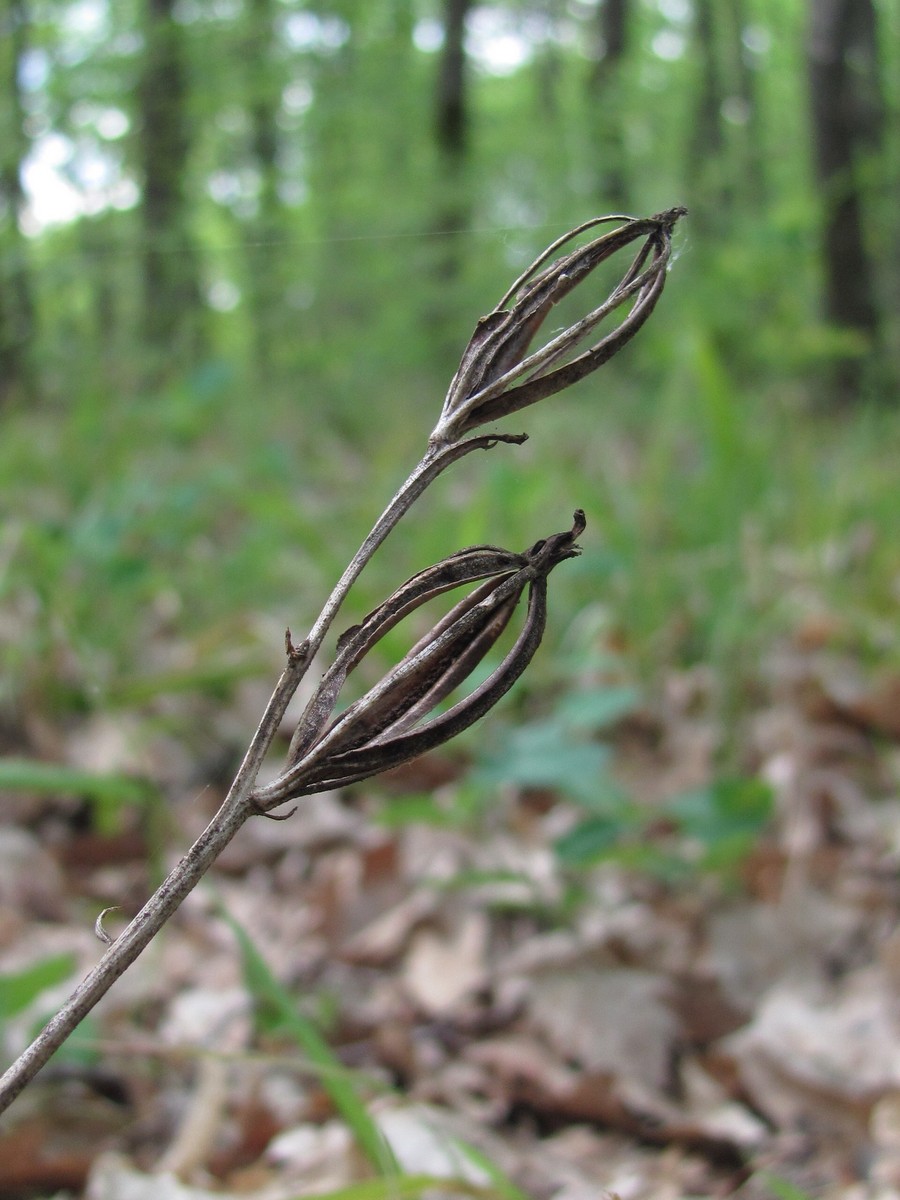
{"points": [[874, 706], [384, 938], [821, 1056], [614, 1021], [441, 971]]}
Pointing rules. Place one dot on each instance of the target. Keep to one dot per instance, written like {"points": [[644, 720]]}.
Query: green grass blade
{"points": [[411, 1187], [27, 775], [19, 988], [501, 1185], [338, 1082], [781, 1188], [110, 793]]}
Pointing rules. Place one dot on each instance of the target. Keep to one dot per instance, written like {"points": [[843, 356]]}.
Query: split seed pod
{"points": [[390, 724], [497, 376]]}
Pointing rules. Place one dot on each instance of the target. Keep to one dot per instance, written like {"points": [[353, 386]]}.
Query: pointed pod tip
{"points": [[559, 546], [568, 545], [671, 217]]}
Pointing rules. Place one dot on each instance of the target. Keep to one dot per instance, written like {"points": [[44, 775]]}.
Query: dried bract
{"points": [[389, 724], [497, 376]]}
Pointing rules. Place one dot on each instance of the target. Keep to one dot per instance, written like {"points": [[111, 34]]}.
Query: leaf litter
{"points": [[622, 1027]]}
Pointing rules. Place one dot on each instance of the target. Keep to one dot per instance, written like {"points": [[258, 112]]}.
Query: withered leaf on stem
{"points": [[497, 377], [388, 725]]}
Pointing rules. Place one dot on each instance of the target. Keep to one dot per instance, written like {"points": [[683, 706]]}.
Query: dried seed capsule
{"points": [[465, 566], [389, 724], [496, 376]]}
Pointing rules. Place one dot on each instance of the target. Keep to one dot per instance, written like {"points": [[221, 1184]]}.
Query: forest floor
{"points": [[515, 1025]]}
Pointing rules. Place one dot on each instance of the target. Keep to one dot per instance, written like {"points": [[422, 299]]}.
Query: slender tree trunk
{"points": [[452, 135], [750, 152], [265, 288], [17, 311], [172, 305], [451, 116], [846, 119], [709, 187], [453, 202], [606, 101]]}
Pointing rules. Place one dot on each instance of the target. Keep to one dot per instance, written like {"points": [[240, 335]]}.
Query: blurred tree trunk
{"points": [[265, 253], [606, 101], [17, 314], [847, 119], [708, 185], [452, 135], [172, 305], [745, 112], [398, 59], [453, 201], [451, 115], [549, 71]]}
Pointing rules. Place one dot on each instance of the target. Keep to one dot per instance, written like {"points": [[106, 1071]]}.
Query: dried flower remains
{"points": [[389, 725], [495, 378]]}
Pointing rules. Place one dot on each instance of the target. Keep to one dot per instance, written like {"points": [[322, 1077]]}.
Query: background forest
{"points": [[232, 233], [243, 244]]}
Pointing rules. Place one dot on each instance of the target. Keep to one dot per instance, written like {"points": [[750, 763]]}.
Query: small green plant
{"points": [[561, 751], [19, 988], [277, 1012], [781, 1189], [711, 829]]}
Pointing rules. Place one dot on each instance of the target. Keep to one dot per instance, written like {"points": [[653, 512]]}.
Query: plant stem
{"points": [[181, 880], [436, 459], [238, 805]]}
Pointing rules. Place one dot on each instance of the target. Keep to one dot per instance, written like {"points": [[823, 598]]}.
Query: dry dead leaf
{"points": [[708, 1112], [113, 1177], [751, 946], [31, 883], [426, 1141], [218, 1018], [821, 1054], [439, 972], [381, 941], [614, 1021], [318, 1158], [874, 705]]}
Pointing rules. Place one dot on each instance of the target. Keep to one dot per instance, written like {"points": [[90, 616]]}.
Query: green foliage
{"points": [[542, 755], [561, 752], [723, 820], [277, 1012], [781, 1189], [711, 829], [109, 794], [148, 510], [20, 990]]}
